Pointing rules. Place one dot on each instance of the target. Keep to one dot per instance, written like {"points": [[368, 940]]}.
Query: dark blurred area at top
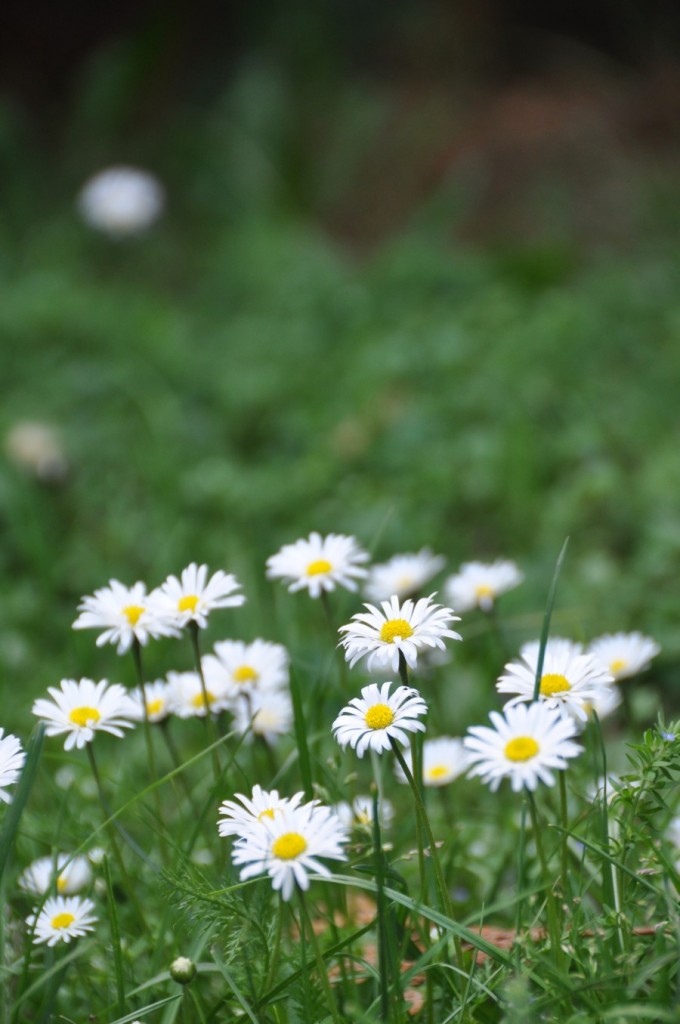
{"points": [[497, 93]]}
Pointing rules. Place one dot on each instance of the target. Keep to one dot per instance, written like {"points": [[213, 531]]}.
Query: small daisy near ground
{"points": [[444, 759], [67, 874], [526, 745], [61, 919], [82, 708], [393, 629], [371, 721], [319, 564]]}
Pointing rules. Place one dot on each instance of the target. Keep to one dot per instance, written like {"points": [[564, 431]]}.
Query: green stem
{"points": [[274, 959], [151, 756], [553, 917], [403, 670], [210, 724], [306, 923], [564, 821]]}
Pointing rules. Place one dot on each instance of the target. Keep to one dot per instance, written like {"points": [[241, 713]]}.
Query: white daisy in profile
{"points": [[82, 708], [62, 872], [527, 744], [402, 575], [187, 699], [61, 919], [268, 714], [12, 759], [603, 705], [243, 667], [121, 201], [625, 654], [157, 698], [393, 629], [479, 584], [193, 596], [569, 682], [288, 846], [319, 563], [369, 722], [241, 815], [359, 813], [444, 759], [124, 614]]}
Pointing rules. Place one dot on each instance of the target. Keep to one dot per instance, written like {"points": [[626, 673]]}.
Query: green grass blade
{"points": [[301, 737], [115, 939], [546, 618]]}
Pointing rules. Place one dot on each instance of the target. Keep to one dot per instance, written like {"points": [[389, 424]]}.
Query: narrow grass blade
{"points": [[301, 737], [546, 618], [115, 939], [146, 1010]]}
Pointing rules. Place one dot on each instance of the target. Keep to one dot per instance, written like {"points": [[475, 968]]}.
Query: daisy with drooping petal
{"points": [[83, 708], [61, 919], [12, 759], [66, 874], [288, 846], [158, 704], [124, 614], [478, 584], [569, 681], [370, 721], [397, 628], [444, 759], [359, 814], [319, 563], [268, 714], [624, 654], [187, 700], [243, 668], [527, 744], [192, 597], [240, 818], [403, 575], [121, 201]]}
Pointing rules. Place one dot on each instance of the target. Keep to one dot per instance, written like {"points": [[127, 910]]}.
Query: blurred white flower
{"points": [[67, 874], [402, 575], [244, 668], [359, 814], [319, 563], [121, 201], [37, 448], [444, 759], [624, 654], [267, 713], [477, 584], [12, 759], [186, 697], [158, 705]]}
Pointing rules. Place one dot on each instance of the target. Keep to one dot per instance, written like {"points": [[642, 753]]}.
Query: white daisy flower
{"points": [[66, 874], [194, 596], [288, 846], [625, 654], [402, 575], [604, 704], [359, 814], [124, 613], [526, 744], [187, 700], [319, 563], [38, 448], [243, 668], [61, 919], [240, 818], [370, 721], [268, 714], [444, 759], [121, 201], [478, 584], [12, 759], [569, 682], [158, 705], [83, 708], [398, 628]]}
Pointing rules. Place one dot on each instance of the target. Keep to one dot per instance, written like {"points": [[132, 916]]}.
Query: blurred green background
{"points": [[418, 279]]}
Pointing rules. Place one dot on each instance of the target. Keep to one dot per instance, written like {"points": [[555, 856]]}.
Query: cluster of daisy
{"points": [[62, 915], [281, 837]]}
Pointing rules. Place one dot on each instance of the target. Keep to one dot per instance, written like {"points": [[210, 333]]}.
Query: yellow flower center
{"points": [[200, 701], [62, 883], [187, 603], [62, 920], [267, 813], [521, 748], [483, 590], [245, 674], [289, 846], [437, 771], [617, 665], [132, 613], [84, 716], [154, 707], [394, 628], [319, 566], [552, 683], [379, 716]]}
